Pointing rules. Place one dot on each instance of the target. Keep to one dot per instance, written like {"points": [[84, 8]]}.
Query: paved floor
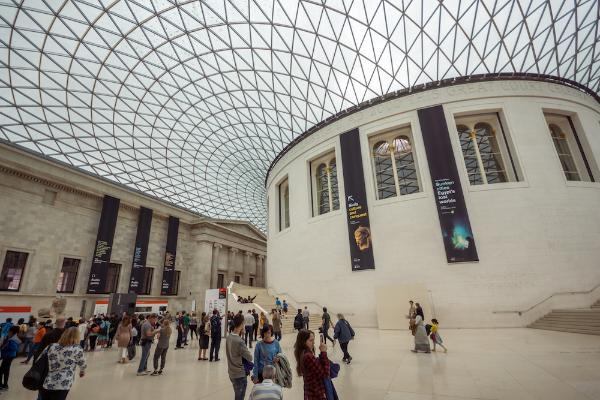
{"points": [[507, 364]]}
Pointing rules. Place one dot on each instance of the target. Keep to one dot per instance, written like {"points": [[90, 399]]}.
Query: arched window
{"points": [[394, 165], [325, 185], [565, 156], [322, 188], [485, 149]]}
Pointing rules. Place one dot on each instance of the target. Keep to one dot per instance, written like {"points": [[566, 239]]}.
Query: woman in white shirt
{"points": [[63, 358]]}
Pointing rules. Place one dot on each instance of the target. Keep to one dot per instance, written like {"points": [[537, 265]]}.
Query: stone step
{"points": [[583, 322], [566, 329], [577, 311]]}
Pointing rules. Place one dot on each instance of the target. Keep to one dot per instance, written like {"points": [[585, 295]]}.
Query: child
{"points": [[8, 353], [435, 336]]}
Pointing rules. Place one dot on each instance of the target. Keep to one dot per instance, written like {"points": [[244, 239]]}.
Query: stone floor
{"points": [[507, 364]]}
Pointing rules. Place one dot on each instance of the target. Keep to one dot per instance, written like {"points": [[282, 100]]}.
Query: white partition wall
{"points": [[536, 228]]}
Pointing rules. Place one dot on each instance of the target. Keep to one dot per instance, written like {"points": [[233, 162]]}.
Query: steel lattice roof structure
{"points": [[190, 101]]}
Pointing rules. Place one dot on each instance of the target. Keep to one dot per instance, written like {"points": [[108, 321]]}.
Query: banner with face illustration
{"points": [[357, 212], [452, 210]]}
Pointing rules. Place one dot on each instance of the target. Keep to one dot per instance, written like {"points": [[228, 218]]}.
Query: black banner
{"points": [[168, 282], [104, 241], [357, 212], [140, 252], [452, 210]]}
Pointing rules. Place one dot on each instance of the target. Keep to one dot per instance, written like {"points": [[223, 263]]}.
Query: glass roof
{"points": [[190, 101]]}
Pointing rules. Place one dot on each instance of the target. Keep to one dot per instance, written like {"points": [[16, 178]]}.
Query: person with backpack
{"points": [[203, 336], [4, 328], [265, 353], [8, 352], [344, 333]]}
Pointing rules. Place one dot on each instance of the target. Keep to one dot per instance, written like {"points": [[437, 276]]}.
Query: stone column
{"points": [[214, 270], [199, 273], [231, 265], [264, 273], [246, 266], [259, 270]]}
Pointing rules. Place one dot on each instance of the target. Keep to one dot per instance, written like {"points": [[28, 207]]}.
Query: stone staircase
{"points": [[586, 320], [267, 302]]}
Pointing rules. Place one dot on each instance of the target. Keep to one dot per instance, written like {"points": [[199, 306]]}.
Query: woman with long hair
{"points": [[123, 336], [162, 346], [63, 358], [203, 336], [313, 369]]}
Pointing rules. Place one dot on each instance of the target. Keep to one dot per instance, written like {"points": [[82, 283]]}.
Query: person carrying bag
{"points": [[35, 377]]}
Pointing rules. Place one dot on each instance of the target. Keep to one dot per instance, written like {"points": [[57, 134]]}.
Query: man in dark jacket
{"points": [[51, 337], [255, 326], [215, 336]]}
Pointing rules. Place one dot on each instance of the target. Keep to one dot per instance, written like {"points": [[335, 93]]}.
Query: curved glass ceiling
{"points": [[190, 100]]}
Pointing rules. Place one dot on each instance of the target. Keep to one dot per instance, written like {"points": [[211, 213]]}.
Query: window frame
{"points": [[389, 136], [148, 285], [220, 277], [577, 148], [117, 278], [326, 160], [29, 254], [507, 151], [283, 204], [62, 264]]}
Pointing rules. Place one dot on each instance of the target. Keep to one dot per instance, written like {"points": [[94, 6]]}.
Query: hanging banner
{"points": [[357, 212], [140, 252], [103, 248], [452, 210], [168, 280]]}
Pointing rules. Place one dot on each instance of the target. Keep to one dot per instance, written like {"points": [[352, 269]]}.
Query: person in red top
{"points": [[314, 370], [41, 331]]}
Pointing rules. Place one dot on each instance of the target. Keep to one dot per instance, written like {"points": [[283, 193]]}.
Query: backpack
{"points": [[428, 329]]}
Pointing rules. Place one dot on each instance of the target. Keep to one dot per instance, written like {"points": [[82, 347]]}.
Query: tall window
{"points": [[175, 287], [237, 279], [395, 164], [284, 205], [147, 284], [325, 185], [68, 275], [251, 283], [112, 278], [220, 281], [12, 270], [485, 149], [569, 148]]}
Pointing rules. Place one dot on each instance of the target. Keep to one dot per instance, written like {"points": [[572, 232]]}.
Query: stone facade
{"points": [[51, 211]]}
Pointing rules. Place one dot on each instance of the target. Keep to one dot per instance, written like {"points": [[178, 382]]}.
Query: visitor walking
{"points": [[285, 307], [314, 370], [277, 325], [325, 325], [249, 328], [344, 333], [277, 303], [147, 337], [265, 353], [193, 326], [305, 317], [29, 335], [8, 352], [93, 335], [4, 328], [162, 346], [203, 336], [186, 327], [435, 335], [299, 321], [255, 325], [51, 336], [215, 336], [82, 327], [41, 331], [421, 340], [63, 358], [419, 311], [267, 389], [236, 351], [123, 336], [180, 329], [263, 321]]}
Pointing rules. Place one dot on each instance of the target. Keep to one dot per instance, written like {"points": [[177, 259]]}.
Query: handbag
{"points": [[35, 377]]}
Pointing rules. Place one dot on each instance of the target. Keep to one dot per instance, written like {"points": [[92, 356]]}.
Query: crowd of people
{"points": [[66, 341]]}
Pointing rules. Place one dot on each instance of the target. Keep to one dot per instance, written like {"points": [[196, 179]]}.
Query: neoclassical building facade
{"points": [[49, 218]]}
